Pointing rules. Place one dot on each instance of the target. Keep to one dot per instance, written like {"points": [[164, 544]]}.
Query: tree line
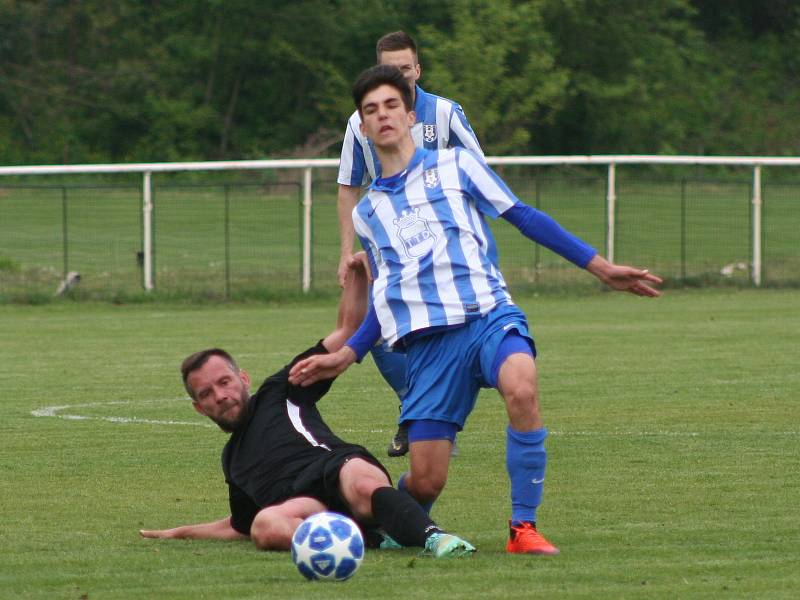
{"points": [[166, 80]]}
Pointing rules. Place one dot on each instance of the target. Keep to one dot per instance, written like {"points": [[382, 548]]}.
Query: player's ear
{"points": [[362, 129], [245, 378], [411, 117], [198, 408]]}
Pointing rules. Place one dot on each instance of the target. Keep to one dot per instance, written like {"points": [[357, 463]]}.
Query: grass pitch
{"points": [[674, 465]]}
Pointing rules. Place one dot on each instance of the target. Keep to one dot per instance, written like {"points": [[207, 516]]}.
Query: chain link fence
{"points": [[244, 239]]}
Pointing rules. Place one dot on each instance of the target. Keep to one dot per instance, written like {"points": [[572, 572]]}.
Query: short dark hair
{"points": [[379, 75], [392, 42], [195, 361]]}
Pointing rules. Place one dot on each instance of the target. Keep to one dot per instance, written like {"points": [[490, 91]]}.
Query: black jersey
{"points": [[283, 434]]}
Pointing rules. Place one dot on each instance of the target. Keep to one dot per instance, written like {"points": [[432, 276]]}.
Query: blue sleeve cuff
{"points": [[544, 230], [366, 335]]}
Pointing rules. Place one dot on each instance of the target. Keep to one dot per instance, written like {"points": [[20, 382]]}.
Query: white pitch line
{"points": [[55, 411], [563, 433], [626, 433]]}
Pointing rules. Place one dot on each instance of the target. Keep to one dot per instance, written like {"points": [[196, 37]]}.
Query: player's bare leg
{"points": [[517, 382], [526, 457], [429, 461], [358, 480], [402, 521], [274, 526]]}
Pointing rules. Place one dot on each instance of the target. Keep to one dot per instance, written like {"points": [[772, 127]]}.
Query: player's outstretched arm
{"points": [[624, 278], [345, 202], [216, 530], [352, 302], [352, 308]]}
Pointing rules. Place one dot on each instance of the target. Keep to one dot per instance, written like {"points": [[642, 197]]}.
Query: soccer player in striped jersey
{"points": [[440, 123], [439, 294]]}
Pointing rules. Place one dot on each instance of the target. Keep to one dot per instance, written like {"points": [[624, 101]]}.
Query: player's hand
{"points": [[343, 268], [359, 261], [624, 278], [156, 533], [321, 366]]}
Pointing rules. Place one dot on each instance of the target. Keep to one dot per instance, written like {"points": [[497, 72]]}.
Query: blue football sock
{"points": [[401, 485], [526, 459]]}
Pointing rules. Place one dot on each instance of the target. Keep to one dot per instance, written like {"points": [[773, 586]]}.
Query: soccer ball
{"points": [[327, 546]]}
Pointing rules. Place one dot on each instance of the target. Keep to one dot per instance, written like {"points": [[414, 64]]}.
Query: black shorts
{"points": [[320, 479]]}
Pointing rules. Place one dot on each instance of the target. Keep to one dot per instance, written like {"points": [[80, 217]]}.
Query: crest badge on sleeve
{"points": [[414, 233], [429, 132]]}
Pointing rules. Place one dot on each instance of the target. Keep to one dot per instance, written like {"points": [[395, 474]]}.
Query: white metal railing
{"points": [[147, 170]]}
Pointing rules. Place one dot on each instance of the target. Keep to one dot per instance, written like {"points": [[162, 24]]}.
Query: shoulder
{"points": [[354, 120], [469, 164], [443, 104], [354, 129], [465, 156], [227, 450], [276, 382], [441, 155]]}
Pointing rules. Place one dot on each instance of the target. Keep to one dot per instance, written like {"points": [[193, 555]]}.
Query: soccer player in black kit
{"points": [[282, 463]]}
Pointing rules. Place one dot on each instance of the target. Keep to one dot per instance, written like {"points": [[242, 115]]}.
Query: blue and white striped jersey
{"points": [[424, 229], [441, 123]]}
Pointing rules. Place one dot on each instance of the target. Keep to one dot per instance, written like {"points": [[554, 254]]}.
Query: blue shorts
{"points": [[447, 369]]}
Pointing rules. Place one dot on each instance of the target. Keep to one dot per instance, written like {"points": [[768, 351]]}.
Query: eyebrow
{"points": [[388, 100]]}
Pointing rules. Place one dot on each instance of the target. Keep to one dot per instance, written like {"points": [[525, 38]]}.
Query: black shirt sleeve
{"points": [[243, 509], [312, 393]]}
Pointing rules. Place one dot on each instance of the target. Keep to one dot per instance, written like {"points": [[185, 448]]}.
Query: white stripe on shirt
{"points": [[294, 416]]}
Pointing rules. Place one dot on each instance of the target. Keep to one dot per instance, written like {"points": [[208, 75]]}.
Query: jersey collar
{"points": [[390, 184]]}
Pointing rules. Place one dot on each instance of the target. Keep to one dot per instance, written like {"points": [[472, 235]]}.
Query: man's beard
{"points": [[231, 425]]}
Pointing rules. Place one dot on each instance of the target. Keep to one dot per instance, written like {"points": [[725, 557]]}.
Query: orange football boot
{"points": [[524, 539]]}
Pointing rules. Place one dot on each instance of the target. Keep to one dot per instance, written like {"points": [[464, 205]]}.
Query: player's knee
{"points": [[521, 396], [358, 480], [427, 488], [270, 532], [359, 496]]}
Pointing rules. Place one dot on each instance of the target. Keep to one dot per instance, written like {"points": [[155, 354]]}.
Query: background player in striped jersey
{"points": [[438, 292], [282, 463], [440, 123]]}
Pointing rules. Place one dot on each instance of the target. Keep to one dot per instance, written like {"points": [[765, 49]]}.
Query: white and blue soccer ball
{"points": [[328, 546]]}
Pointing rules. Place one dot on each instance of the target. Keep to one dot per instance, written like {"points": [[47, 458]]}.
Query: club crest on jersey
{"points": [[415, 235], [429, 132], [431, 178]]}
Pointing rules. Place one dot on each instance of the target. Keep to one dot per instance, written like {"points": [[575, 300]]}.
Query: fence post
{"points": [[307, 230], [227, 243], [147, 233], [64, 232], [683, 229], [611, 203], [756, 264]]}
